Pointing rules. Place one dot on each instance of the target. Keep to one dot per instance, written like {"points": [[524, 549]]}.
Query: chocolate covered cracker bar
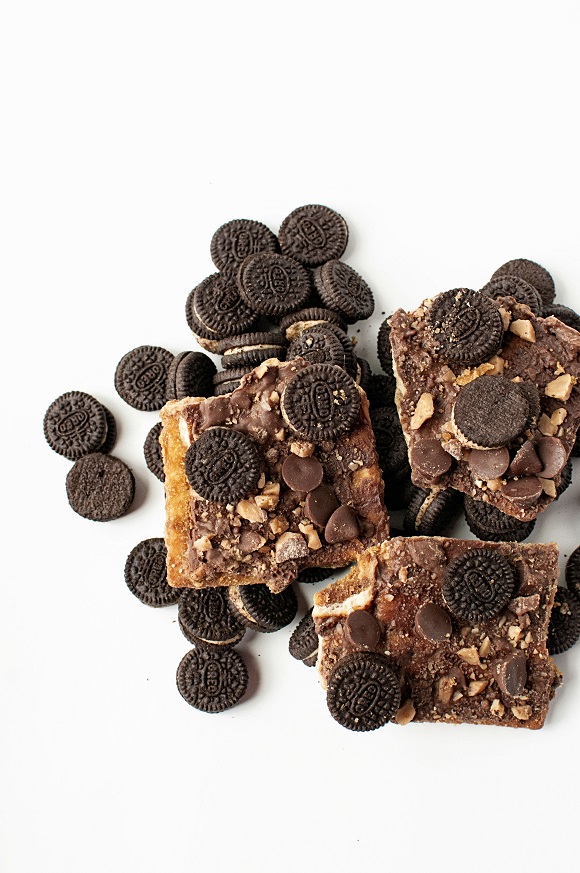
{"points": [[489, 398], [279, 475], [436, 629]]}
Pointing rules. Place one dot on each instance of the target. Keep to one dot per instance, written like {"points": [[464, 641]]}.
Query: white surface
{"points": [[447, 135]]}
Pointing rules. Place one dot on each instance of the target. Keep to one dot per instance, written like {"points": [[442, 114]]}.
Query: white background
{"points": [[447, 135]]}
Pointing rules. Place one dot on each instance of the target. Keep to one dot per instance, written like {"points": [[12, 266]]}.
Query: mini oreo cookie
{"points": [[257, 607], [490, 412], [146, 574], [381, 390], [251, 349], [573, 572], [207, 617], [364, 373], [430, 511], [321, 402], [349, 354], [312, 575], [314, 316], [111, 437], [575, 453], [152, 452], [564, 628], [532, 273], [273, 284], [384, 349], [318, 345], [364, 692], [313, 235], [235, 240], [212, 679], [465, 326], [390, 441], [303, 644], [223, 465], [514, 286], [563, 313], [75, 424], [488, 523], [343, 290], [565, 479], [141, 377], [190, 375], [216, 305], [478, 584], [227, 381], [100, 487]]}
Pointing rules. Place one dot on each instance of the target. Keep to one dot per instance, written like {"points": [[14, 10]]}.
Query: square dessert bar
{"points": [[280, 475], [489, 398], [462, 625]]}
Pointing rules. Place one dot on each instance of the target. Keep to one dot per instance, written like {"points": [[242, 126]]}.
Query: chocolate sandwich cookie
{"points": [[258, 608], [206, 617], [363, 692], [532, 273], [573, 573], [319, 345], [75, 424], [490, 524], [514, 286], [235, 240], [490, 412], [146, 574], [565, 479], [303, 644], [384, 346], [311, 575], [273, 284], [212, 679], [141, 377], [251, 349], [320, 403], [343, 290], [563, 313], [464, 326], [381, 390], [100, 487], [190, 375], [564, 628], [111, 437], [228, 380], [152, 452], [313, 235], [390, 442], [430, 511], [348, 348], [218, 307], [223, 465], [363, 373], [576, 447], [478, 584], [314, 316]]}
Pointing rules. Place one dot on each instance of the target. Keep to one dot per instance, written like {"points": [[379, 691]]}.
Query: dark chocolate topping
{"points": [[433, 623], [302, 474], [511, 673], [320, 504], [363, 629], [553, 456], [342, 526], [430, 458], [526, 461], [523, 492], [488, 463], [223, 465]]}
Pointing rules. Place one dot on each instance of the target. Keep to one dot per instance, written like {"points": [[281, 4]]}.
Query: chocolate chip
{"points": [[223, 465], [564, 629], [317, 345], [363, 629], [488, 463], [342, 526], [478, 584], [146, 574], [313, 235], [302, 474], [433, 623], [320, 504], [363, 691], [531, 272], [430, 458], [489, 523], [75, 424], [511, 673], [321, 402], [523, 492], [465, 326], [490, 412], [303, 644], [553, 456], [212, 679], [141, 377], [426, 552], [344, 291], [526, 461], [234, 241], [514, 286], [100, 487], [273, 284]]}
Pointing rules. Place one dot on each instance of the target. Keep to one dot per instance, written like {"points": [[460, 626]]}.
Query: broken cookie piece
{"points": [[280, 475], [462, 625], [504, 389]]}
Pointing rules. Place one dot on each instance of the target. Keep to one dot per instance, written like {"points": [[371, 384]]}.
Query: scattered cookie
{"points": [[514, 286], [303, 644], [313, 235], [564, 628], [363, 691], [141, 377], [152, 452], [235, 240], [563, 313], [273, 285], [206, 617], [573, 572], [75, 424], [146, 574], [100, 487], [258, 608], [489, 523], [212, 679], [533, 273], [344, 291], [430, 510]]}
